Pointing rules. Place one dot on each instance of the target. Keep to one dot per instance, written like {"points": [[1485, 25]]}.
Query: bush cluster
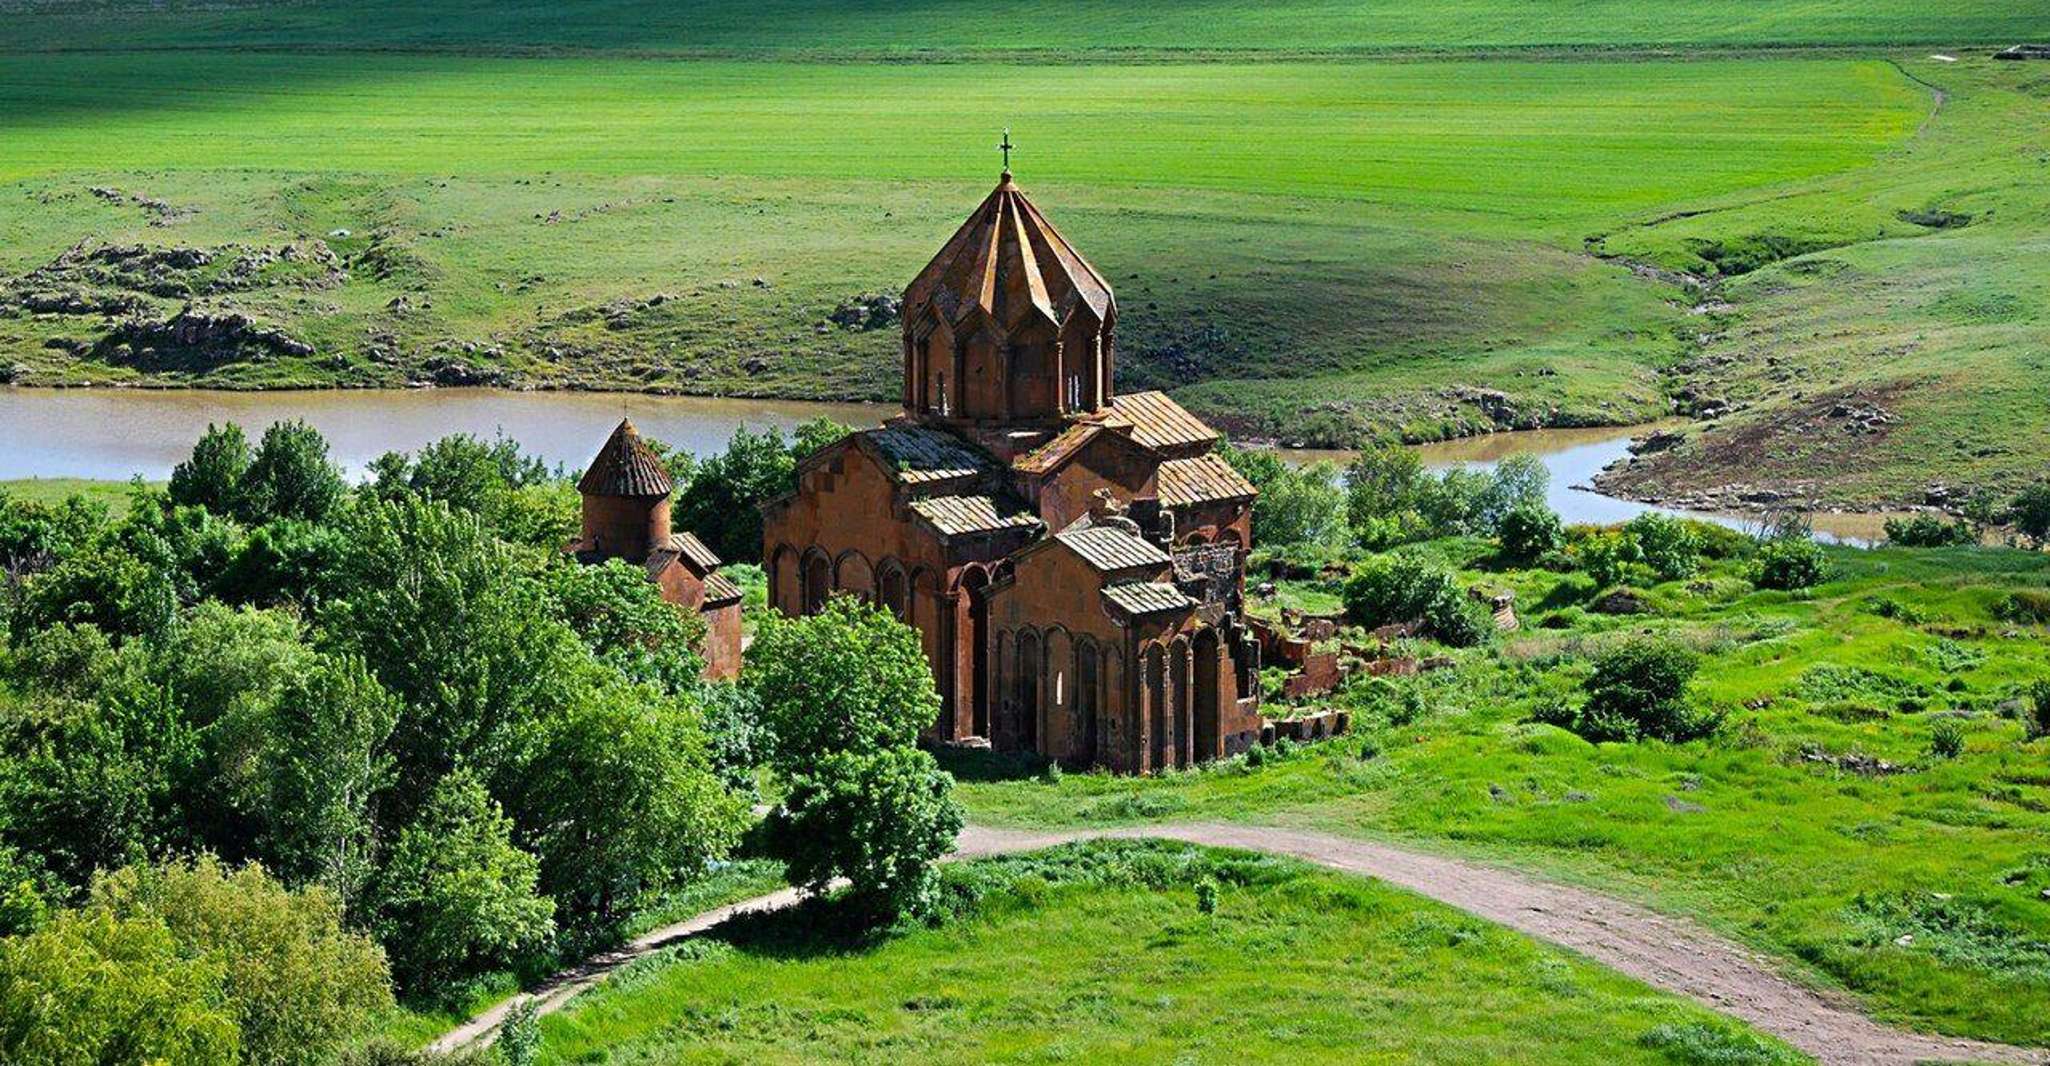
{"points": [[1393, 588], [1789, 564], [1638, 690]]}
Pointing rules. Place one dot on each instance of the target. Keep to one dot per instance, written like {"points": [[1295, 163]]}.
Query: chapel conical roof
{"points": [[1010, 264], [626, 466]]}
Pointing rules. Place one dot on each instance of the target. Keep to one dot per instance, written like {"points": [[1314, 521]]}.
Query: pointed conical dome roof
{"points": [[1008, 262], [626, 466]]}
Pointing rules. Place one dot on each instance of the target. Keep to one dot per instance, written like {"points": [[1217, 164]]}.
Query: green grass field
{"points": [[1313, 240], [1099, 953], [867, 27], [1764, 831]]}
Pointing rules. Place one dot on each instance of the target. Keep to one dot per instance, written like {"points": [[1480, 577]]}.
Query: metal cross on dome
{"points": [[1006, 148]]}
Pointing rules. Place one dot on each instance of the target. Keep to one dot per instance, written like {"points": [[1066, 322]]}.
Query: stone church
{"points": [[626, 506], [1074, 559]]}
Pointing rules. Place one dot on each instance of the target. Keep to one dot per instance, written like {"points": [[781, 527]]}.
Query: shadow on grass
{"points": [[973, 765]]}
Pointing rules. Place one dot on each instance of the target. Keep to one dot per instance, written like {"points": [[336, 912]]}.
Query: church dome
{"points": [[1010, 264]]}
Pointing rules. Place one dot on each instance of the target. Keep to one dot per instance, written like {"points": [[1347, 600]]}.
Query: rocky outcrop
{"points": [[197, 340]]}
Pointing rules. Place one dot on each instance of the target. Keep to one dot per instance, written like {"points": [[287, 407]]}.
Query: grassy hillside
{"points": [[1309, 243], [1393, 230], [1294, 966], [1817, 824], [897, 26]]}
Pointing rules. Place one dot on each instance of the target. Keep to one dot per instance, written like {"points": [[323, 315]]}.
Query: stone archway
{"points": [[1155, 692], [1088, 702], [1022, 730], [975, 591], [785, 583], [1178, 681], [893, 590], [817, 583], [1208, 708], [853, 575]]}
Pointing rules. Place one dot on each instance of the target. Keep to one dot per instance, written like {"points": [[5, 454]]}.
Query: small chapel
{"points": [[626, 516], [1073, 559]]}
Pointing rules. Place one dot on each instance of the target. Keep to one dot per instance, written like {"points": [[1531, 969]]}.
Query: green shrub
{"points": [[519, 1038], [2025, 606], [1206, 895], [1639, 689], [1888, 607], [1929, 531], [2031, 513], [2036, 710], [1947, 739], [1396, 588], [1606, 557], [1668, 545], [1531, 531], [1789, 564]]}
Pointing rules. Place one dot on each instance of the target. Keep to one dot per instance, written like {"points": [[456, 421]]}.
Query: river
{"points": [[117, 434]]}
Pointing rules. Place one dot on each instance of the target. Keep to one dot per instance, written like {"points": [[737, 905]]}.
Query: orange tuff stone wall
{"points": [[625, 527], [722, 642]]}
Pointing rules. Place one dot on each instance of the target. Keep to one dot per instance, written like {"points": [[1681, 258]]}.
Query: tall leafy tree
{"points": [[213, 476], [849, 678], [880, 819], [621, 616], [444, 617], [720, 502], [325, 764], [622, 803], [455, 897], [291, 476]]}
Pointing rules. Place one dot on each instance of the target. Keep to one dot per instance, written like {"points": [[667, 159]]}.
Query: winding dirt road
{"points": [[1671, 954]]}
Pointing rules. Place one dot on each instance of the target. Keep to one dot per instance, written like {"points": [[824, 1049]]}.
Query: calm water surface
{"points": [[116, 434]]}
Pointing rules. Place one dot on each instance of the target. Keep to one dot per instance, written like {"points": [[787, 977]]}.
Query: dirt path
{"points": [[1671, 954]]}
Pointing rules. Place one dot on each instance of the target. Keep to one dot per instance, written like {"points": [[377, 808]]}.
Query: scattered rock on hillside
{"points": [[2024, 51], [199, 340], [869, 311], [1621, 602], [1659, 440]]}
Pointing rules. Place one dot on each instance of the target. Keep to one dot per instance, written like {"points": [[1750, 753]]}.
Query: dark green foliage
{"points": [[850, 678], [815, 433], [1789, 564], [455, 896], [515, 494], [80, 783], [1206, 895], [106, 587], [880, 819], [1947, 739], [1299, 504], [34, 536], [1929, 531], [214, 476], [288, 560], [2027, 606], [2036, 710], [1639, 689], [1391, 499], [439, 611], [1529, 532], [2030, 513], [720, 502], [739, 742], [621, 616], [325, 765], [1394, 588], [291, 476], [620, 804], [1669, 546]]}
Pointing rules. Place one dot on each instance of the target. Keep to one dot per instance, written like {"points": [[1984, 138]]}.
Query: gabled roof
{"points": [[957, 516], [1200, 480], [690, 547], [626, 466], [1053, 453], [1009, 265], [1110, 549], [914, 454], [1158, 422], [719, 590], [1147, 597]]}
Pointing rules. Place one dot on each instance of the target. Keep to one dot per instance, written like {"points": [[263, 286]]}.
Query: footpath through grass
{"points": [[1817, 825], [1100, 952]]}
